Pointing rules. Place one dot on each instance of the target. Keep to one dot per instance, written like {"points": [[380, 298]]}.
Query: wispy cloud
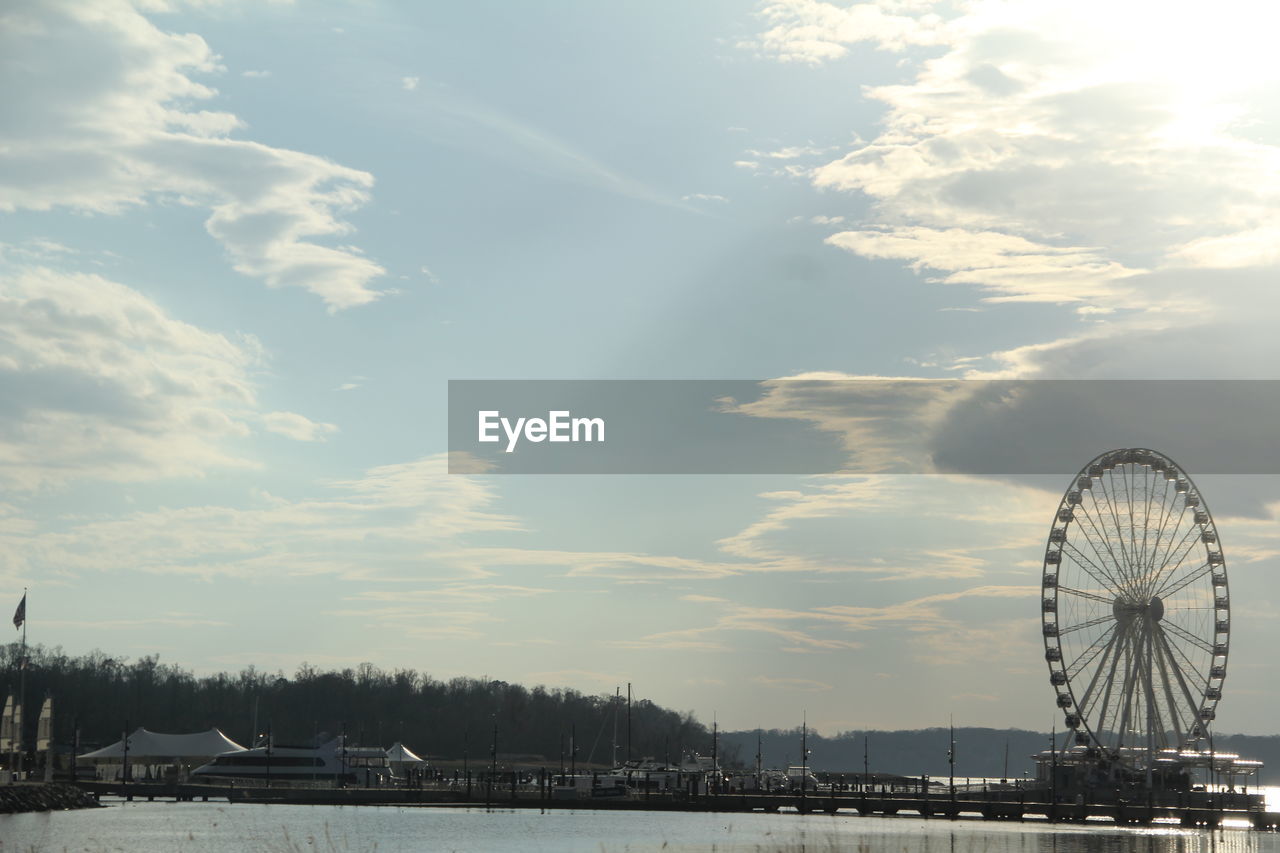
{"points": [[132, 138], [803, 685], [296, 426], [504, 135], [813, 32]]}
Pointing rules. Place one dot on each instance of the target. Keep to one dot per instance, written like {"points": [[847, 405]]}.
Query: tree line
{"points": [[979, 752], [101, 694]]}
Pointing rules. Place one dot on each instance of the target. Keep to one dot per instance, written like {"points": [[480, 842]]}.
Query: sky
{"points": [[245, 246]]}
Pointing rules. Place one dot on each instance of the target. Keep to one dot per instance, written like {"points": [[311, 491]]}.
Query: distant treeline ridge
{"points": [[100, 694], [980, 752]]}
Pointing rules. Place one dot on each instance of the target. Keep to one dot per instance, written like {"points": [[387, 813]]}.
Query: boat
{"points": [[329, 762]]}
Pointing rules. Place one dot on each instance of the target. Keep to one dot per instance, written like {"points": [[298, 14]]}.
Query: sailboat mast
{"points": [[759, 756], [617, 699]]}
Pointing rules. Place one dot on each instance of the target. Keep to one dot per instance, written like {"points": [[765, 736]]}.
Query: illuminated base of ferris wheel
{"points": [[1083, 770]]}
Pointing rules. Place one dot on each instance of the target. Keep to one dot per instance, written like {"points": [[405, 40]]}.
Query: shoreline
{"points": [[23, 797]]}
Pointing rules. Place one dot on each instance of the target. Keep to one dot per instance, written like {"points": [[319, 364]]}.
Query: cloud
{"points": [[100, 382], [930, 621], [383, 524], [575, 676], [490, 131], [790, 152], [173, 621], [1257, 247], [409, 83], [298, 427], [885, 424], [687, 639], [1013, 268], [996, 426], [101, 119], [454, 591], [611, 565], [1039, 154], [802, 685], [811, 32]]}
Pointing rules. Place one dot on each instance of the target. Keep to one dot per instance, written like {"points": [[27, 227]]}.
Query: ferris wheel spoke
{"points": [[1138, 685], [1126, 564], [1105, 653], [1193, 699], [1091, 651], [1165, 506], [1127, 689], [1162, 726], [1170, 545], [1122, 506], [1089, 595], [1166, 664], [1109, 685], [1083, 625], [1186, 674], [1191, 654], [1194, 573], [1187, 636], [1153, 721], [1101, 536], [1125, 475], [1147, 492], [1095, 571], [1117, 583], [1156, 576]]}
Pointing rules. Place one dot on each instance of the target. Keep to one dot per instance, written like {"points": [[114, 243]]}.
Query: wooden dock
{"points": [[1196, 809]]}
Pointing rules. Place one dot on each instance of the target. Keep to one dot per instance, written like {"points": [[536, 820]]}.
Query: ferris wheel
{"points": [[1135, 610]]}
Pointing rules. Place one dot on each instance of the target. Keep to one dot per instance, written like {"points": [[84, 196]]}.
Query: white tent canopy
{"points": [[155, 748], [398, 753]]}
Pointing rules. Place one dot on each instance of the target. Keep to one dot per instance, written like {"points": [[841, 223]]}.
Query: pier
{"points": [[1191, 809]]}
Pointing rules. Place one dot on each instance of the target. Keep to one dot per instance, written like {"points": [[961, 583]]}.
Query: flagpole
{"points": [[22, 684]]}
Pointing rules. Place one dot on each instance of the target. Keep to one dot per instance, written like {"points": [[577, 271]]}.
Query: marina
{"points": [[1193, 809]]}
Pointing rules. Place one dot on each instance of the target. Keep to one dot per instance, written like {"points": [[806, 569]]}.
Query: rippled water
{"points": [[222, 828]]}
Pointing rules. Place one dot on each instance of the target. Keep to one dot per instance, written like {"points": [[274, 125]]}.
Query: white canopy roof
{"points": [[399, 753], [161, 748]]}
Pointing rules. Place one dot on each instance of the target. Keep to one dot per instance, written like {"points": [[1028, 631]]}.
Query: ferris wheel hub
{"points": [[1126, 610]]}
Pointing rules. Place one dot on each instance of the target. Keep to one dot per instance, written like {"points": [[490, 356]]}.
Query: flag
{"points": [[20, 615]]}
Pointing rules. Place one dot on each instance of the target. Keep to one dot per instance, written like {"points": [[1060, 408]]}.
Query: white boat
{"points": [[363, 766]]}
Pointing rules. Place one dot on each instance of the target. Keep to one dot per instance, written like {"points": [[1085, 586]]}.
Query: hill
{"points": [[980, 752]]}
